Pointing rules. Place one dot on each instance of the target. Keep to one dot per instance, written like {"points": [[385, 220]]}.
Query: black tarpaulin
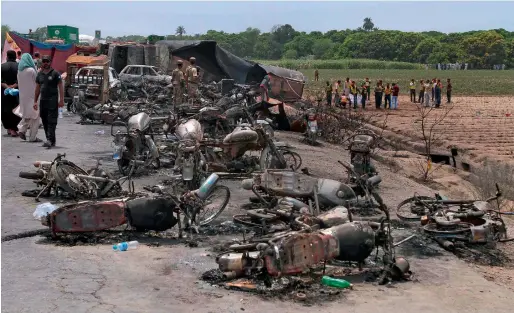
{"points": [[220, 64]]}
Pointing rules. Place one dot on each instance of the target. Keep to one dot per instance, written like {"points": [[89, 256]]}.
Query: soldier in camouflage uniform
{"points": [[192, 79], [178, 80]]}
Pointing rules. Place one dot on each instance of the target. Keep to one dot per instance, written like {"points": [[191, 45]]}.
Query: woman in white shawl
{"points": [[27, 86]]}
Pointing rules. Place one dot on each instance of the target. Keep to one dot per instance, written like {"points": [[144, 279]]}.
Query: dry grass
{"points": [[490, 174]]}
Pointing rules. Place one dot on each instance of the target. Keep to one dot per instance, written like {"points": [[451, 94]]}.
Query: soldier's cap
{"points": [[192, 59], [46, 57], [180, 62]]}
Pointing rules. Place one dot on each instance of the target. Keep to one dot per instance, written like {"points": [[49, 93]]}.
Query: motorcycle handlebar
{"points": [[60, 156]]}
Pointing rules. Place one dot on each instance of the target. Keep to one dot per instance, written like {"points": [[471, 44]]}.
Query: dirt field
{"points": [[482, 127], [163, 274]]}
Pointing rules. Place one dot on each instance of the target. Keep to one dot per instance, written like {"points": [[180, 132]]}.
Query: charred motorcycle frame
{"points": [[135, 148]]}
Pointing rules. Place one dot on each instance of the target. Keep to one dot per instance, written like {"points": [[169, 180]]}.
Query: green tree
{"points": [[322, 48], [180, 31], [509, 52], [368, 24], [405, 43], [484, 49], [40, 34], [290, 55], [302, 44], [283, 33], [424, 49]]}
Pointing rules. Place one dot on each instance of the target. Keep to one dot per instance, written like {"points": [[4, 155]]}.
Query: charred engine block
{"points": [[242, 164]]}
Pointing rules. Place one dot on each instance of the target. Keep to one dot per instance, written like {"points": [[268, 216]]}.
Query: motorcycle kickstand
{"points": [[49, 185], [179, 225]]}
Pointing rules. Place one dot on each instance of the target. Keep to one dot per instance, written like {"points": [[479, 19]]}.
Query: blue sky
{"points": [[162, 18]]}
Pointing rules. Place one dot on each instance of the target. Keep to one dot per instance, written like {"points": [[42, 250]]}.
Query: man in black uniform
{"points": [[49, 88]]}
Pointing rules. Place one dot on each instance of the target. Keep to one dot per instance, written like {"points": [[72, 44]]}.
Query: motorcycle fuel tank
{"points": [[356, 240], [333, 193], [190, 130], [241, 134], [140, 121]]}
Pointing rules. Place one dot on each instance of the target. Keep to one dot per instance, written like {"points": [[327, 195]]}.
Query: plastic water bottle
{"points": [[124, 246], [100, 132], [334, 282], [207, 186], [60, 112]]}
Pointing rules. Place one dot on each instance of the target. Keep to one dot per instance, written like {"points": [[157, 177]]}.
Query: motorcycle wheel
{"points": [[404, 209], [266, 159], [213, 205], [293, 159], [73, 107]]}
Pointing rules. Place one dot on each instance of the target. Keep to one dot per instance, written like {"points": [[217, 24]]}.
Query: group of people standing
{"points": [[350, 93], [188, 80], [341, 94], [32, 92], [430, 90]]}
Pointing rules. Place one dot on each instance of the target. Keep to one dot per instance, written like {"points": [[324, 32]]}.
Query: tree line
{"points": [[481, 49]]}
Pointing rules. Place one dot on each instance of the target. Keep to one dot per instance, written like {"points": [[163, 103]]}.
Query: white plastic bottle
{"points": [[124, 246], [60, 112]]}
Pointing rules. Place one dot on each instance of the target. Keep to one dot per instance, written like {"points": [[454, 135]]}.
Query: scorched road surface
{"points": [[39, 277]]}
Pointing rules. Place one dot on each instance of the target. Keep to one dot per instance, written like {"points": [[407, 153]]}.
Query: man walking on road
{"points": [[50, 89], [178, 80]]}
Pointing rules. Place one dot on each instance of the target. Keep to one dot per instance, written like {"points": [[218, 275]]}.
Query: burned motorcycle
{"points": [[317, 194], [135, 148], [464, 220], [361, 145], [228, 155], [189, 160], [63, 175], [314, 242], [312, 132], [78, 104], [199, 207]]}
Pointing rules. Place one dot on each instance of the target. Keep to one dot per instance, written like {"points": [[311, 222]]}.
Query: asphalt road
{"points": [[38, 276]]}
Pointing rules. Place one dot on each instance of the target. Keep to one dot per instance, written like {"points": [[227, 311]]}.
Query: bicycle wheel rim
{"points": [[403, 214], [246, 220], [207, 215]]}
